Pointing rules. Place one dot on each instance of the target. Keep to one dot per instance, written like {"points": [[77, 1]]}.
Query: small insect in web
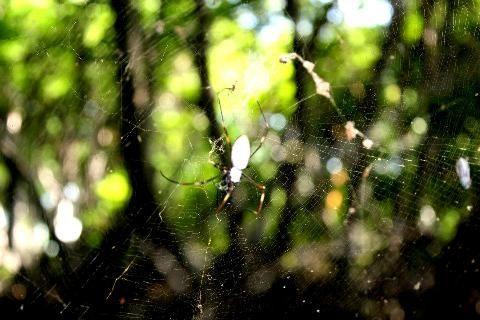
{"points": [[232, 172]]}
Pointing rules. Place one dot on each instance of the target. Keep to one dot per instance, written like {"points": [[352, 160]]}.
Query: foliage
{"points": [[364, 212]]}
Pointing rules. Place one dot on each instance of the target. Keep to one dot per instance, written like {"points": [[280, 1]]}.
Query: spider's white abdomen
{"points": [[241, 152], [235, 174], [240, 157]]}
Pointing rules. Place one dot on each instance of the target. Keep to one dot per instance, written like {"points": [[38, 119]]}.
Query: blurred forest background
{"points": [[365, 215]]}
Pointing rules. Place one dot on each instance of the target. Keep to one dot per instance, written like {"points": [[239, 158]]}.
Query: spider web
{"points": [[360, 199]]}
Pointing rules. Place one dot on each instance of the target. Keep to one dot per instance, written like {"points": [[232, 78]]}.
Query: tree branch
{"points": [[287, 171], [141, 215], [198, 46], [20, 173]]}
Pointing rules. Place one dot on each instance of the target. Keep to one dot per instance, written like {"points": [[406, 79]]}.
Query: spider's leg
{"points": [[225, 132], [193, 183], [264, 136], [260, 188], [224, 202]]}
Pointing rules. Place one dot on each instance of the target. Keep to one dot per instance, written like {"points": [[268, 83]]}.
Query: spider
{"points": [[232, 171]]}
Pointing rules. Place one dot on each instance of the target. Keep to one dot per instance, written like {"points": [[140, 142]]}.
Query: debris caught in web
{"points": [[367, 143], [463, 171], [218, 147], [351, 132], [322, 87]]}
